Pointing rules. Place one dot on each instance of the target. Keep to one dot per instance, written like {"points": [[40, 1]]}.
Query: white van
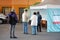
{"points": [[2, 18]]}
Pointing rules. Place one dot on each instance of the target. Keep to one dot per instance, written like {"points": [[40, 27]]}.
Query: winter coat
{"points": [[12, 18]]}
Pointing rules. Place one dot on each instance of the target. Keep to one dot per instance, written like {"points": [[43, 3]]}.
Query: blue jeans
{"points": [[25, 27], [12, 30], [34, 29]]}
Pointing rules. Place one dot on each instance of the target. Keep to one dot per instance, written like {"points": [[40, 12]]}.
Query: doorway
{"points": [[21, 10]]}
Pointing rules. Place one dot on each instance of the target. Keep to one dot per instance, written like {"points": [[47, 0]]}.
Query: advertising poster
{"points": [[53, 20]]}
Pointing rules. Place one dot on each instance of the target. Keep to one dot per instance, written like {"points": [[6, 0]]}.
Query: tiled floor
{"points": [[4, 34]]}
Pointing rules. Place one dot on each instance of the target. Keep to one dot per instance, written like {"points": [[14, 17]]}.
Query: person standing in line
{"points": [[39, 22], [12, 21], [34, 23], [25, 21]]}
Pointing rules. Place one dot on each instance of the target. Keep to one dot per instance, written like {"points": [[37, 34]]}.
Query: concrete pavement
{"points": [[4, 34]]}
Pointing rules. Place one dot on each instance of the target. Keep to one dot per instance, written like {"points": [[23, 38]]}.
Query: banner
{"points": [[53, 20]]}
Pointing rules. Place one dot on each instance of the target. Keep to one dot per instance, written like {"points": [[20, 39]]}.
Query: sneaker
{"points": [[34, 34], [14, 37], [25, 33], [11, 37]]}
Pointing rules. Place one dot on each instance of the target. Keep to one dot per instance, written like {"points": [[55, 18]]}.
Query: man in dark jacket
{"points": [[12, 21], [39, 22]]}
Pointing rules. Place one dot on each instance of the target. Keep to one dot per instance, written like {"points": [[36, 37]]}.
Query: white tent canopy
{"points": [[54, 2], [50, 11], [45, 6]]}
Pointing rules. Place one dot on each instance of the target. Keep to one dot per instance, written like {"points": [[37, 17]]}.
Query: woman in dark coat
{"points": [[12, 21]]}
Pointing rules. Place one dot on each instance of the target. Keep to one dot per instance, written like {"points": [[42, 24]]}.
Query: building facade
{"points": [[18, 5]]}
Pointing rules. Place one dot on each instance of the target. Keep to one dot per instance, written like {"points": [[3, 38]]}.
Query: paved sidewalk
{"points": [[4, 34]]}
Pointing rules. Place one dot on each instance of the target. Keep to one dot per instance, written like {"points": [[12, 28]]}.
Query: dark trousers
{"points": [[39, 27], [12, 30]]}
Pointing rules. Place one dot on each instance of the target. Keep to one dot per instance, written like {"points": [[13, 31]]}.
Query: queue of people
{"points": [[35, 20]]}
